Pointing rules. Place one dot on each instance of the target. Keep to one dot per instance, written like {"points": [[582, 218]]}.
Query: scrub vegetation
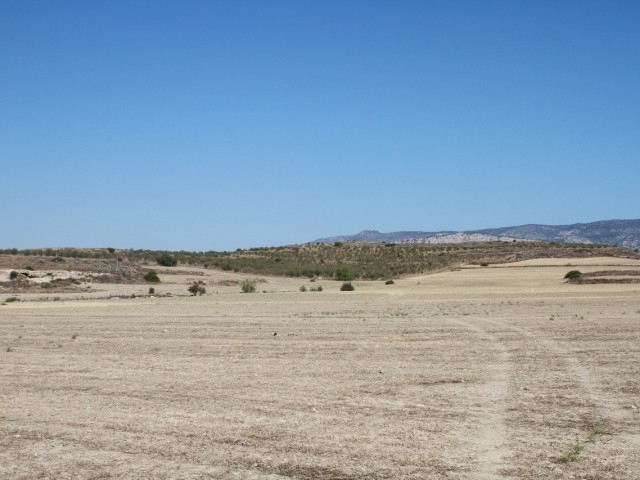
{"points": [[344, 261]]}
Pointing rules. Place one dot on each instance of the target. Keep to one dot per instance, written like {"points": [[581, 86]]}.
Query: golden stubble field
{"points": [[481, 373]]}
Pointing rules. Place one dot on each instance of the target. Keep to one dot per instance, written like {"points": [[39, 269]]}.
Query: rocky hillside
{"points": [[623, 233]]}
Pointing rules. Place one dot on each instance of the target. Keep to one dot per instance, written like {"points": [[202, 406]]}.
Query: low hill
{"points": [[363, 260]]}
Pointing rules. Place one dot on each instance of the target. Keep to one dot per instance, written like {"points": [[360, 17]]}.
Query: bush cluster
{"points": [[347, 287], [196, 289], [166, 260], [152, 277], [248, 287], [573, 275]]}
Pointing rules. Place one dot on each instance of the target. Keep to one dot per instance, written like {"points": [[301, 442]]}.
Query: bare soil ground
{"points": [[483, 373]]}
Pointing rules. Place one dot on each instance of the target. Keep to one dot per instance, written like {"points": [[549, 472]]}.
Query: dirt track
{"points": [[481, 373]]}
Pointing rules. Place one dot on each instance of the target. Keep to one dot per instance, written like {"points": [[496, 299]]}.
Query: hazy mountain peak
{"points": [[625, 233]]}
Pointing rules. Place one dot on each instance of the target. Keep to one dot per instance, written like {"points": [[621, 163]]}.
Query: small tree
{"points": [[151, 277], [166, 260], [197, 289], [248, 287]]}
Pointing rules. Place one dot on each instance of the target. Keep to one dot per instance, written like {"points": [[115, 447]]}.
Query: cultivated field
{"points": [[481, 373]]}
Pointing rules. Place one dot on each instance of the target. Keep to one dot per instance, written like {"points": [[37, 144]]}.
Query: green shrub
{"points": [[303, 288], [152, 290], [389, 282], [197, 289], [573, 275], [58, 260], [347, 287], [248, 287], [152, 277], [13, 275], [344, 274], [12, 299], [166, 260]]}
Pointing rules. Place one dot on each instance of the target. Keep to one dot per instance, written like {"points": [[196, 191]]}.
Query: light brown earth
{"points": [[481, 373]]}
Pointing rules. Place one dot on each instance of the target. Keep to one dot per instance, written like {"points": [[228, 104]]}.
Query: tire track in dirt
{"points": [[607, 408], [491, 440]]}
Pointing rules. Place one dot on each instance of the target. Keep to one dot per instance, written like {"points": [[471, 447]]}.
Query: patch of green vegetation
{"points": [[573, 275], [13, 275], [347, 287], [344, 274]]}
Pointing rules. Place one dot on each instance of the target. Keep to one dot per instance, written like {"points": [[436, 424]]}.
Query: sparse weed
{"points": [[74, 336], [303, 288], [595, 433], [571, 452]]}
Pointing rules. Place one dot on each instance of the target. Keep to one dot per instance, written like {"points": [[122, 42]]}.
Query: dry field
{"points": [[481, 373]]}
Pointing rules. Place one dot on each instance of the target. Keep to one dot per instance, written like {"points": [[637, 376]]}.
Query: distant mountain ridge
{"points": [[623, 233]]}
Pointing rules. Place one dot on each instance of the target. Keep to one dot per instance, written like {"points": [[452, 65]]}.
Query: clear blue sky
{"points": [[211, 125]]}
